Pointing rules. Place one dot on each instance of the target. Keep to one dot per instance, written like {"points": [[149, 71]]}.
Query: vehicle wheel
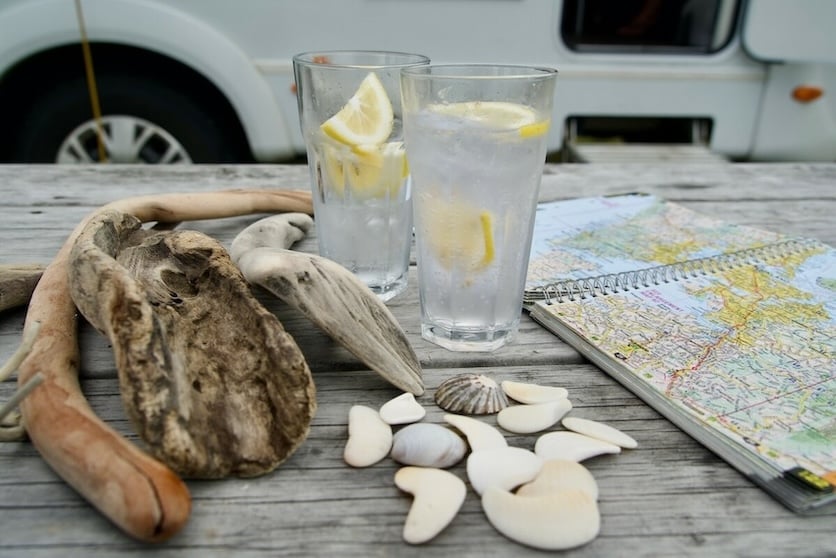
{"points": [[144, 121]]}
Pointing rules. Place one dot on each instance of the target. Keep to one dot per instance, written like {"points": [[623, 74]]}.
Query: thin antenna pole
{"points": [[91, 83]]}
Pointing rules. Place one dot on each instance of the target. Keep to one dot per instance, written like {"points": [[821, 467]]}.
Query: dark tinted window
{"points": [[653, 26]]}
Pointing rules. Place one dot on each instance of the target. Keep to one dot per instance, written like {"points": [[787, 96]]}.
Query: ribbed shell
{"points": [[470, 394]]}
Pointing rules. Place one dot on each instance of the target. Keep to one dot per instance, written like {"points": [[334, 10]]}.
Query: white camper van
{"points": [[212, 80]]}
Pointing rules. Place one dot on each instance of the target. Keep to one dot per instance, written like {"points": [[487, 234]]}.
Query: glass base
{"points": [[389, 290], [468, 340]]}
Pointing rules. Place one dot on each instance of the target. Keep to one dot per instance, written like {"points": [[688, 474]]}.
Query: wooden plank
{"points": [[669, 496]]}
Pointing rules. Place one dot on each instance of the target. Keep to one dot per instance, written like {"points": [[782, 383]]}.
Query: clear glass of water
{"points": [[477, 138], [350, 116]]}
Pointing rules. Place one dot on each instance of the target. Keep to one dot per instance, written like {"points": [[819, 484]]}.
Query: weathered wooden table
{"points": [[668, 497]]}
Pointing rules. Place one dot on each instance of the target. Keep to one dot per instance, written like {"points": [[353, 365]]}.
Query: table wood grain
{"points": [[668, 497]]}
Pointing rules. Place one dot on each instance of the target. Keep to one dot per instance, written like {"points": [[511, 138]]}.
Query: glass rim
{"points": [[408, 58], [457, 71]]}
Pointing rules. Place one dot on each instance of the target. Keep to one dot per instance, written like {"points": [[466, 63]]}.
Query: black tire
{"points": [[57, 112]]}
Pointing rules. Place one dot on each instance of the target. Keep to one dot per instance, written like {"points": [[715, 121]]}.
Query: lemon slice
{"points": [[494, 114], [363, 170], [536, 129], [368, 171], [332, 162], [367, 117], [461, 236], [394, 160], [377, 171]]}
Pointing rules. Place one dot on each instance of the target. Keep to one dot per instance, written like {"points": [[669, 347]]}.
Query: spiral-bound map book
{"points": [[727, 330]]}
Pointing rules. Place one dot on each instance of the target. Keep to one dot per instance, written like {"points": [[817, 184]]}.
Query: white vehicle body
{"points": [[739, 91]]}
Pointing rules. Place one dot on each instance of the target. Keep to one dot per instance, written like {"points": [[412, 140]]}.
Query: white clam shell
{"points": [[555, 521], [560, 474], [571, 446], [402, 409], [428, 445], [369, 438], [438, 496], [470, 394], [533, 393], [525, 419], [504, 468], [479, 435], [600, 431]]}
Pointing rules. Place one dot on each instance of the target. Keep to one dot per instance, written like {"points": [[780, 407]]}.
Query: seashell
{"points": [[560, 474], [600, 431], [470, 394], [438, 496], [533, 393], [556, 521], [525, 419], [402, 409], [505, 468], [428, 445], [571, 446], [369, 438], [479, 435]]}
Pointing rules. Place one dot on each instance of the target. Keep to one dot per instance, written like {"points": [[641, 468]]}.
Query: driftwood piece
{"points": [[210, 379], [136, 492], [329, 295], [17, 281]]}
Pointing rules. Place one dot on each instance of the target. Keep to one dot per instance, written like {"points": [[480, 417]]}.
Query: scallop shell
{"points": [[471, 394]]}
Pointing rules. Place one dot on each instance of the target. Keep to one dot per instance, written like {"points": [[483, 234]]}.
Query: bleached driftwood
{"points": [[329, 295], [138, 493], [210, 379]]}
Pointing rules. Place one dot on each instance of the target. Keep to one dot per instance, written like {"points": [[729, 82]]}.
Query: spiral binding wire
{"points": [[602, 285]]}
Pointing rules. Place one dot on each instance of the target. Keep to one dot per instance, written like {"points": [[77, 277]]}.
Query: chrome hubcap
{"points": [[127, 139]]}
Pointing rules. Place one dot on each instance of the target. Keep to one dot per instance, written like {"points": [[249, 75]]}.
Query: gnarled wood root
{"points": [[210, 379]]}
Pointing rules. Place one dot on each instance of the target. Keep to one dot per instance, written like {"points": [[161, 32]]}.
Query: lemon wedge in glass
{"points": [[461, 236], [369, 171], [332, 157], [366, 118], [377, 171]]}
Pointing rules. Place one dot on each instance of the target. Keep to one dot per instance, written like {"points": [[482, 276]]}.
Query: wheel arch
{"points": [[156, 39]]}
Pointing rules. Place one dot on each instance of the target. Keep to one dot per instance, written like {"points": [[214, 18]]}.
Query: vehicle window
{"points": [[652, 26]]}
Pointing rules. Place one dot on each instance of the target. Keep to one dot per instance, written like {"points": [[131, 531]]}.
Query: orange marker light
{"points": [[807, 93]]}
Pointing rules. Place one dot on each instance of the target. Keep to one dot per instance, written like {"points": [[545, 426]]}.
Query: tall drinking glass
{"points": [[350, 115], [476, 136]]}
